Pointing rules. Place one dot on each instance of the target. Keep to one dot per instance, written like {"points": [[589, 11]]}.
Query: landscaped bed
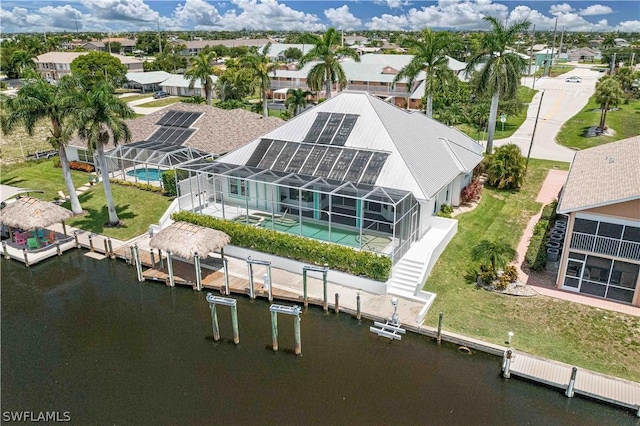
{"points": [[581, 335]]}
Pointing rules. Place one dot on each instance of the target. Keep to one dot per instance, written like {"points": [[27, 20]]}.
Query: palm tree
{"points": [[494, 254], [99, 116], [430, 57], [21, 60], [608, 93], [297, 100], [201, 69], [328, 71], [501, 68], [260, 67], [38, 100], [506, 168]]}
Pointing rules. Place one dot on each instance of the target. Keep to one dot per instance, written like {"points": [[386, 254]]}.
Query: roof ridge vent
{"points": [[611, 159]]}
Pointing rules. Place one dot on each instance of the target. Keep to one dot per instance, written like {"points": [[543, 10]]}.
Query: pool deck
{"points": [[288, 287]]}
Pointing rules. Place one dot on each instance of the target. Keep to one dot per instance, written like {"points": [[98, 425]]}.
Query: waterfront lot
{"points": [[581, 335]]}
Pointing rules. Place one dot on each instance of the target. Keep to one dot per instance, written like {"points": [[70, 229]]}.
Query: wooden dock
{"points": [[587, 383]]}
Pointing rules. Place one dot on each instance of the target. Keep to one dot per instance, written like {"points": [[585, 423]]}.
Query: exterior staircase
{"points": [[406, 276]]}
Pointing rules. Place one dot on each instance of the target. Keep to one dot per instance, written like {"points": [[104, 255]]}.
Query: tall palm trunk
{"points": [[493, 113], [104, 172], [327, 88], [430, 105], [207, 90], [265, 110], [603, 116], [76, 208]]}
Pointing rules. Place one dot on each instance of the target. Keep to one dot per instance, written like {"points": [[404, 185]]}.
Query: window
{"points": [[585, 226], [238, 187]]}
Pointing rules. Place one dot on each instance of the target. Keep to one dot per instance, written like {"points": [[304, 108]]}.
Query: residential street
{"points": [[562, 100]]}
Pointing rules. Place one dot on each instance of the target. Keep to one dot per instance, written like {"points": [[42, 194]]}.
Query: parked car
{"points": [[160, 94], [573, 79]]}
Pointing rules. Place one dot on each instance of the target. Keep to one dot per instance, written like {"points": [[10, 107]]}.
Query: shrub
{"points": [[139, 185], [341, 258], [505, 167], [196, 99], [230, 104], [471, 192], [169, 181], [83, 167], [487, 274], [56, 162], [502, 283], [445, 211], [511, 273], [536, 256]]}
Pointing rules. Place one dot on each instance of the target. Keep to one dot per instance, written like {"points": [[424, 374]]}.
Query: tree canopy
{"points": [[100, 66]]}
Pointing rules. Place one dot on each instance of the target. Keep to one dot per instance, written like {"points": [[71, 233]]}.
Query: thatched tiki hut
{"points": [[30, 214], [190, 241]]}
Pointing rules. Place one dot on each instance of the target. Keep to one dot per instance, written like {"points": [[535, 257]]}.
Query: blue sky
{"points": [[308, 15]]}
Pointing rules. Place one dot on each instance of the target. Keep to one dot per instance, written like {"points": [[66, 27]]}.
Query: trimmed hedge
{"points": [[536, 256], [341, 258], [143, 186], [169, 181]]}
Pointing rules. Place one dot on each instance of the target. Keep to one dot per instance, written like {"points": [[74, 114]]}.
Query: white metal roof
{"points": [[150, 77], [177, 80]]}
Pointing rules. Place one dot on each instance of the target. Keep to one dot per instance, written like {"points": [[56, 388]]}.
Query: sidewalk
{"points": [[549, 192]]}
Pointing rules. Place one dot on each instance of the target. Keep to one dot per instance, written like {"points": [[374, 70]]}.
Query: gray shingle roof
{"points": [[425, 155], [605, 174]]}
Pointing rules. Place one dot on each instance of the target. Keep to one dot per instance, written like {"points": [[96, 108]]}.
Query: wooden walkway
{"points": [[587, 383]]}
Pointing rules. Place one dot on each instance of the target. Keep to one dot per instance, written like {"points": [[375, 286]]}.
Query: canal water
{"points": [[84, 337]]}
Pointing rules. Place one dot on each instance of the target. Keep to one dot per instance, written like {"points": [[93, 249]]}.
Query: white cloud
{"points": [[629, 26], [556, 9], [268, 14], [465, 14], [342, 18], [193, 13], [596, 9], [388, 23], [392, 4], [121, 10]]}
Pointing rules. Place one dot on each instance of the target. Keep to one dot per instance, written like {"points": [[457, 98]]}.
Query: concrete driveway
{"points": [[562, 100]]}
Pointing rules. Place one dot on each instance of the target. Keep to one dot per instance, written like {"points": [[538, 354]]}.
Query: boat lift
{"points": [[390, 328]]}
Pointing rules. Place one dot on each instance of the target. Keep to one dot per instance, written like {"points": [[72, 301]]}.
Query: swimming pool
{"points": [[151, 175]]}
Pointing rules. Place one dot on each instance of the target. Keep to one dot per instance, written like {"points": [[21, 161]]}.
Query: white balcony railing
{"points": [[605, 245]]}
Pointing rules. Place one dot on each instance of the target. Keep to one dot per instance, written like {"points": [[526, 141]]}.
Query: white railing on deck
{"points": [[605, 245]]}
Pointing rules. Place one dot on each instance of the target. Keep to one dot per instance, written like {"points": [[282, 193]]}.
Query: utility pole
{"points": [[553, 46], [561, 42], [76, 15], [533, 134], [533, 38], [612, 65], [159, 38]]}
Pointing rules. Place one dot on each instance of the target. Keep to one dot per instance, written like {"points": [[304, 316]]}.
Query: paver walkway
{"points": [[549, 192]]}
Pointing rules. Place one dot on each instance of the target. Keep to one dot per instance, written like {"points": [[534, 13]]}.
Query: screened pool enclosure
{"points": [[362, 216]]}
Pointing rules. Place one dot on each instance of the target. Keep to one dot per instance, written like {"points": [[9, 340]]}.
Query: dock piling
{"points": [[4, 249], [112, 254], [439, 336], [296, 332], [288, 310], [572, 382], [234, 323], [153, 258], [64, 229], [196, 263], [161, 259], [170, 267], [217, 300], [136, 253], [75, 237], [250, 263], [324, 269], [225, 267], [26, 258], [106, 247], [506, 365], [337, 304], [274, 330], [214, 322], [58, 250], [91, 249], [358, 310]]}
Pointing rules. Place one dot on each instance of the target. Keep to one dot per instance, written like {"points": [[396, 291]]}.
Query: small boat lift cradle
{"points": [[390, 328]]}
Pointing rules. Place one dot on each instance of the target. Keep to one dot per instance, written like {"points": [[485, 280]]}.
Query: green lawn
{"points": [[40, 175], [138, 209], [556, 70], [137, 97], [576, 334], [625, 123], [512, 124], [160, 102]]}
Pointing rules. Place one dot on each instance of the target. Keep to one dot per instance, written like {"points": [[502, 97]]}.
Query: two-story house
{"points": [[54, 65], [601, 198]]}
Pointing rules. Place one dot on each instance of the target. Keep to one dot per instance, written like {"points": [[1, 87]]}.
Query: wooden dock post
{"points": [[270, 283], [572, 382], [106, 247], [161, 260], [91, 249], [234, 323], [325, 303], [336, 306], [153, 258], [26, 258], [214, 322], [136, 253], [506, 365], [75, 237], [196, 263], [4, 249], [170, 267], [439, 336], [358, 310], [305, 298], [274, 330], [112, 254], [58, 250], [225, 267], [252, 294], [64, 229], [296, 333]]}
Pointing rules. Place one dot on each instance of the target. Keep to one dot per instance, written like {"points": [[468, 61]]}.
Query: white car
{"points": [[573, 80]]}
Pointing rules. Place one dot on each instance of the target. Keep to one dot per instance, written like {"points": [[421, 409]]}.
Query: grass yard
{"points": [[136, 208], [576, 334], [625, 122], [160, 102], [40, 175], [555, 71], [512, 124], [137, 97]]}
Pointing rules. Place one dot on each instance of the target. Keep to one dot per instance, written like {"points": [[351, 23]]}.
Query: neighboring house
{"points": [[276, 50], [209, 131], [127, 45], [195, 46], [93, 46], [538, 47], [620, 42], [363, 50], [601, 198], [374, 73], [146, 81], [583, 54], [354, 170], [178, 85], [54, 65], [354, 40], [595, 44]]}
